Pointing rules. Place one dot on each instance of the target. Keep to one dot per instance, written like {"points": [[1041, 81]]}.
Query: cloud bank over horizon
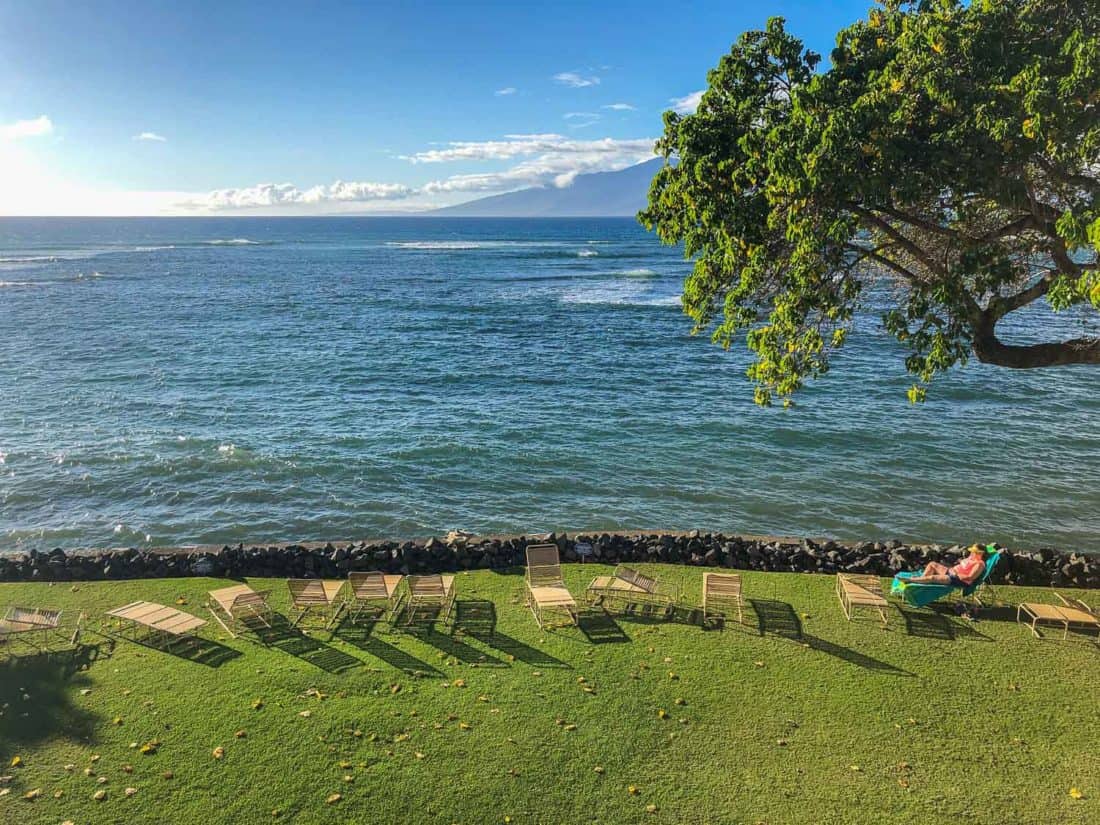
{"points": [[543, 160]]}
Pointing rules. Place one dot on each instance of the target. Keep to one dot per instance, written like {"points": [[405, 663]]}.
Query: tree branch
{"points": [[894, 266], [999, 307], [991, 350], [897, 237]]}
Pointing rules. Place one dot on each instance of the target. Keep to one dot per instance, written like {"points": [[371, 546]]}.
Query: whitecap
{"points": [[587, 253], [153, 248], [429, 245], [30, 259], [20, 283], [233, 242], [643, 272], [227, 449]]}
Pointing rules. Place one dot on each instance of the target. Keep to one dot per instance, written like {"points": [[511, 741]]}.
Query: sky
{"points": [[280, 108]]}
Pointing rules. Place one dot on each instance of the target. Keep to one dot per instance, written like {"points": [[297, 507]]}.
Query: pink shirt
{"points": [[969, 569]]}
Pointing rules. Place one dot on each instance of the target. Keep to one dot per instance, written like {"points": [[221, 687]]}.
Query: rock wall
{"points": [[462, 552]]}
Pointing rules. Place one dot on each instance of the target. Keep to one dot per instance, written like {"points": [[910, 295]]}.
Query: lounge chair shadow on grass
{"points": [[362, 636], [195, 649], [778, 618], [925, 624], [475, 617], [600, 627], [288, 639], [521, 652], [451, 645], [47, 679]]}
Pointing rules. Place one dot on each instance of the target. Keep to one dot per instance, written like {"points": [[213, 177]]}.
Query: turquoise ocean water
{"points": [[177, 381]]}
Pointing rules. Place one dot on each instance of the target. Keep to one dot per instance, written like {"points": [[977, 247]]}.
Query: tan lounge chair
{"points": [[166, 623], [631, 587], [430, 592], [721, 593], [546, 590], [860, 591], [374, 591], [240, 607], [315, 595], [1070, 612], [35, 624]]}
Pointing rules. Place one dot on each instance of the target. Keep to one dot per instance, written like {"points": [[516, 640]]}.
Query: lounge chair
{"points": [[631, 587], [315, 595], [374, 591], [546, 590], [240, 608], [166, 623], [1070, 612], [923, 594], [860, 591], [35, 624], [432, 592], [722, 592]]}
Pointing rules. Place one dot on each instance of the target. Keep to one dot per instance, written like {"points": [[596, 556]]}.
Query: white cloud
{"points": [[525, 145], [687, 104], [150, 136], [548, 160], [37, 127], [575, 80], [287, 194], [619, 107], [507, 90]]}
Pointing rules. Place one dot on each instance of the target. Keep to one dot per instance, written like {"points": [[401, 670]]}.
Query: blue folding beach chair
{"points": [[924, 593]]}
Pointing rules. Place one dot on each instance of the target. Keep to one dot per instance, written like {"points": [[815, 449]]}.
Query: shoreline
{"points": [[459, 551]]}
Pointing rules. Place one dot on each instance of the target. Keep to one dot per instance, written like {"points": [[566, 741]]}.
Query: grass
{"points": [[798, 715]]}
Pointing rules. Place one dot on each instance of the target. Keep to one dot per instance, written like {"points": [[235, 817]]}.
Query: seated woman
{"points": [[965, 573]]}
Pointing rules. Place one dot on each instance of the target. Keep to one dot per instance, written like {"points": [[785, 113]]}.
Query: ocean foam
{"points": [[444, 245], [587, 253], [638, 273], [233, 242]]}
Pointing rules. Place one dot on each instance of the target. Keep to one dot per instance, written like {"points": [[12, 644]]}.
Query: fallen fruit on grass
{"points": [[1076, 794], [16, 761], [333, 799], [130, 791], [99, 796], [30, 796], [632, 790], [219, 752]]}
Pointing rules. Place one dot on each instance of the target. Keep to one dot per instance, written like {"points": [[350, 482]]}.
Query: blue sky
{"points": [[292, 108]]}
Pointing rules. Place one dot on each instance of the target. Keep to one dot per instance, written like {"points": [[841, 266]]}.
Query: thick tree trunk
{"points": [[991, 350]]}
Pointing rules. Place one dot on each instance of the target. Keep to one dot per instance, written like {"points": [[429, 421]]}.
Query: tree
{"points": [[952, 149]]}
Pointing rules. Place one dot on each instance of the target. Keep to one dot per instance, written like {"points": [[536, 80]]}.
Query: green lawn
{"points": [[798, 716]]}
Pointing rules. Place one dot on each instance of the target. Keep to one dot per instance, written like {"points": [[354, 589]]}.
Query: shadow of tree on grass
{"points": [[47, 680]]}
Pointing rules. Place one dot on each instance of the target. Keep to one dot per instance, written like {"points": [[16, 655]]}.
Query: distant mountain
{"points": [[600, 194]]}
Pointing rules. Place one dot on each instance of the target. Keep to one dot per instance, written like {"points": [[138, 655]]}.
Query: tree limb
{"points": [[991, 350]]}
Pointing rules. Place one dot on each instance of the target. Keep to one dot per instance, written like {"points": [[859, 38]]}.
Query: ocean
{"points": [[221, 380]]}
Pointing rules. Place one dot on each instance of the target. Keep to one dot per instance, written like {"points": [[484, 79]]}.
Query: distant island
{"points": [[601, 194]]}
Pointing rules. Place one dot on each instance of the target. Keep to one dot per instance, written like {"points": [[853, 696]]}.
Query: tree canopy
{"points": [[954, 149]]}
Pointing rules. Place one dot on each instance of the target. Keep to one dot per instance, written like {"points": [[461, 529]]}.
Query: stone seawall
{"points": [[463, 552]]}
